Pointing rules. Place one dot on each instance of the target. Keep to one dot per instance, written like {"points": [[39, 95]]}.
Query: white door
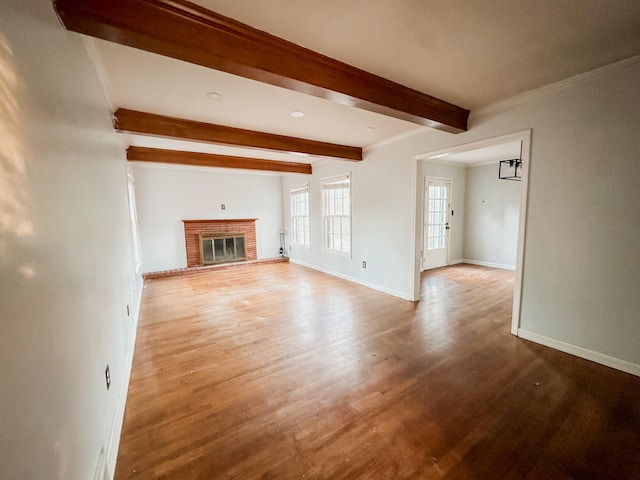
{"points": [[435, 252]]}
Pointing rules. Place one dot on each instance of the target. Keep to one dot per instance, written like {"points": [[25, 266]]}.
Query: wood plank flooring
{"points": [[282, 372]]}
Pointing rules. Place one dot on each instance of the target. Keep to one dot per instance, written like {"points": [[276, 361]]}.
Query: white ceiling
{"points": [[479, 155], [468, 52], [147, 82]]}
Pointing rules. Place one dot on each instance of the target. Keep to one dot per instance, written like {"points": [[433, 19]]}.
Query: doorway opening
{"points": [[478, 226]]}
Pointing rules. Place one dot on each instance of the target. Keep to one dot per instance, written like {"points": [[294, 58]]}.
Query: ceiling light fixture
{"points": [[511, 169], [297, 114], [370, 129], [213, 95]]}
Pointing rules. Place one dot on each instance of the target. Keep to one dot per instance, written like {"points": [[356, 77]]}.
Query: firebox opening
{"points": [[225, 248]]}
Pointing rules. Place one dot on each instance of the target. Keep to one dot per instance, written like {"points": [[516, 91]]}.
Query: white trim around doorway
{"points": [[525, 136]]}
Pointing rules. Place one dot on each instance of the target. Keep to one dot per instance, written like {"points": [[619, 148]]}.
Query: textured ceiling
{"points": [[468, 52]]}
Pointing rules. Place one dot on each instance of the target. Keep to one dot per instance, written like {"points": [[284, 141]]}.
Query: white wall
{"points": [[458, 177], [580, 270], [381, 201], [166, 195], [492, 215], [65, 247], [66, 272]]}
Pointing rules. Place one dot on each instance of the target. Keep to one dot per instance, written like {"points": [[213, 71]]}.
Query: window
{"points": [[133, 219], [300, 214], [336, 214]]}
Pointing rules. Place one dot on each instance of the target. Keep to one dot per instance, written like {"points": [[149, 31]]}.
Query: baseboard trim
{"points": [[450, 263], [118, 419], [489, 264], [601, 358], [364, 283]]}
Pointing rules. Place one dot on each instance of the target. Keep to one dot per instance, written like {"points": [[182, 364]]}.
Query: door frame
{"points": [[424, 216], [418, 182]]}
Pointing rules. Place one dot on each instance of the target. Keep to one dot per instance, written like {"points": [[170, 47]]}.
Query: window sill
{"points": [[347, 256]]}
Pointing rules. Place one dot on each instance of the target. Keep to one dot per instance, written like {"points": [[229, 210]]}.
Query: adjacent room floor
{"points": [[279, 371]]}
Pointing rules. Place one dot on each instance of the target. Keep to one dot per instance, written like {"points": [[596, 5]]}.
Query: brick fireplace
{"points": [[195, 230]]}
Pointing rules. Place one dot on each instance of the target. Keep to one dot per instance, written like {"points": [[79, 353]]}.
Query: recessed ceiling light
{"points": [[297, 114], [213, 95]]}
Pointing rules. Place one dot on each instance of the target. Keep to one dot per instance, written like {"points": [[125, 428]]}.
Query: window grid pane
{"points": [[436, 230], [300, 216], [336, 204]]}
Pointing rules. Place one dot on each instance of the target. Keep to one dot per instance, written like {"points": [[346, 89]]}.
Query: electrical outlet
{"points": [[107, 376], [364, 264], [223, 206]]}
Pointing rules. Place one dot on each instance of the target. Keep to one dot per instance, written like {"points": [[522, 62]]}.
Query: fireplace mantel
{"points": [[221, 220], [194, 229]]}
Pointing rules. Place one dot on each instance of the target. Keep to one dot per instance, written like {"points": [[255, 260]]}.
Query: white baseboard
{"points": [[101, 467], [364, 283], [118, 419], [601, 358], [451, 262], [488, 264]]}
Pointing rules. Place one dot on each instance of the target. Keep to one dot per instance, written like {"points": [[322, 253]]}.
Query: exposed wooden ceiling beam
{"points": [[131, 121], [177, 157], [183, 30]]}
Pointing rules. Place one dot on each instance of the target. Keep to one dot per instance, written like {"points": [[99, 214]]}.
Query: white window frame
{"points": [[296, 191], [133, 222], [331, 220]]}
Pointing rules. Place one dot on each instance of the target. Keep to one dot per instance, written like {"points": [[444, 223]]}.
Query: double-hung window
{"points": [[300, 214], [336, 214]]}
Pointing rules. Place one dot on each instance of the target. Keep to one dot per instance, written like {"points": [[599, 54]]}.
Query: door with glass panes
{"points": [[435, 252]]}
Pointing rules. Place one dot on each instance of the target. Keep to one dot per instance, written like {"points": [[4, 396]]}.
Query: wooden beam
{"points": [[131, 121], [185, 31], [178, 157]]}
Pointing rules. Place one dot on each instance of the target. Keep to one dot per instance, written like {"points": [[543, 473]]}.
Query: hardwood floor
{"points": [[282, 372]]}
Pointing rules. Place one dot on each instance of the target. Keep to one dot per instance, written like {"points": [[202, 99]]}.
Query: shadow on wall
{"points": [[14, 218]]}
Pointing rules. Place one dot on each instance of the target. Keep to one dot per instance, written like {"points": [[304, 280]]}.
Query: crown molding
{"points": [[552, 87], [98, 62], [394, 139]]}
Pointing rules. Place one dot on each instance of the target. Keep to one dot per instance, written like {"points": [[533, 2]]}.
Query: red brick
{"points": [[193, 229]]}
